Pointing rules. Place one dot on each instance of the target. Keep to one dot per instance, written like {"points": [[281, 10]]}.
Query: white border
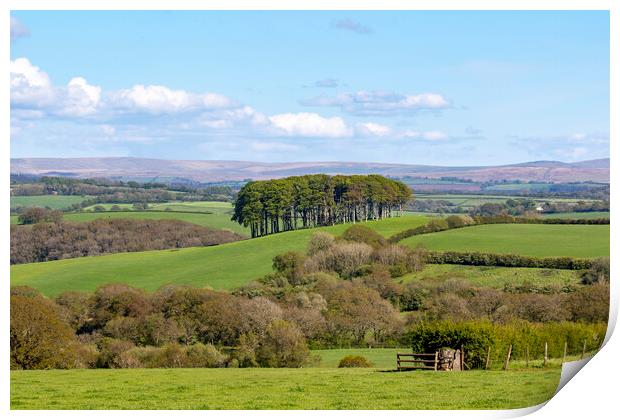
{"points": [[592, 394]]}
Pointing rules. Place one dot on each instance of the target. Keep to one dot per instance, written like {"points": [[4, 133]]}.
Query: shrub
{"points": [[474, 337], [320, 241], [283, 345], [354, 362], [364, 234], [39, 338], [290, 265], [507, 260], [597, 273], [343, 258], [34, 215], [204, 356]]}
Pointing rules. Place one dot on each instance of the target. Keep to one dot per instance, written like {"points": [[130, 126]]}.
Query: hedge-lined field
{"points": [[220, 267], [51, 201], [582, 241], [214, 220], [578, 215], [312, 388], [497, 277]]}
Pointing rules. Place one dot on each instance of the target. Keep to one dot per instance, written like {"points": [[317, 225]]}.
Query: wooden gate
{"points": [[410, 361]]}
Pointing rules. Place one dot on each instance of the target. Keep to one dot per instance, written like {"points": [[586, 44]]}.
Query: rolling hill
{"points": [[212, 171]]}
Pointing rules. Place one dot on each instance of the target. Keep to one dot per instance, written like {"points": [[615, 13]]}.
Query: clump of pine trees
{"points": [[295, 202]]}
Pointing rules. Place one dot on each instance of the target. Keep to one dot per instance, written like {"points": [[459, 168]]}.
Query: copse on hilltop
{"points": [[279, 205]]}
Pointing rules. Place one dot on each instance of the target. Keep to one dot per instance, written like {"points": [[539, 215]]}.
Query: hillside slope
{"points": [[209, 171], [220, 267]]}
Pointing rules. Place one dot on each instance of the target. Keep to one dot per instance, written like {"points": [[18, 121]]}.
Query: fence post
{"points": [[507, 357], [546, 353], [527, 356], [486, 363], [565, 350], [583, 350], [462, 358], [436, 359]]}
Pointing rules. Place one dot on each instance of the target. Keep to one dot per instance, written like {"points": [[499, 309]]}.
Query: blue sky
{"points": [[449, 88]]}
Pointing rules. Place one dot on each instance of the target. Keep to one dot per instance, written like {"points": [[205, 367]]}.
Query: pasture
{"points": [[381, 358], [496, 277], [280, 388], [214, 220], [584, 241], [577, 215], [56, 202], [221, 267]]}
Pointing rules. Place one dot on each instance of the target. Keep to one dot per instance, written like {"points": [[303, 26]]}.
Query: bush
{"points": [[364, 234], [507, 260], [290, 265], [34, 215], [320, 241], [597, 273], [354, 362], [475, 338], [205, 356], [525, 337], [39, 338], [283, 345]]}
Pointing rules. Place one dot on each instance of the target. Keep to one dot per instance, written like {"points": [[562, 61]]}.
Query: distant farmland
{"points": [[584, 241], [52, 201]]}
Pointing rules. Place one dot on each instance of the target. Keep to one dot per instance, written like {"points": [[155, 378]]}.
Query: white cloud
{"points": [[18, 29], [380, 103], [306, 124], [32, 93], [80, 98], [157, 99], [373, 129], [30, 86]]}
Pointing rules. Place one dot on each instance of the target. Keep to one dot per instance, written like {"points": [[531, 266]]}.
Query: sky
{"points": [[416, 87]]}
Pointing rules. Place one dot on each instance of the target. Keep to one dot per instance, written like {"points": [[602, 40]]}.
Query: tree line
{"points": [[61, 240], [317, 200]]}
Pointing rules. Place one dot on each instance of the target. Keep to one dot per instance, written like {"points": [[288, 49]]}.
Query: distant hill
{"points": [[222, 170]]}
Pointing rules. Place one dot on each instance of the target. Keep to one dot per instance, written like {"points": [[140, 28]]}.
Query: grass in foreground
{"points": [[585, 241], [496, 277], [221, 267], [313, 388]]}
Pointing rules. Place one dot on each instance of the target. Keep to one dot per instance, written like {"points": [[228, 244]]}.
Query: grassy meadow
{"points": [[280, 388], [214, 220], [381, 358], [52, 201], [584, 241], [496, 277], [577, 215], [221, 267]]}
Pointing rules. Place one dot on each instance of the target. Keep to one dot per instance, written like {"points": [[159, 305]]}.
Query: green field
{"points": [[220, 221], [312, 388], [584, 241], [221, 267], [577, 215], [380, 358], [472, 200], [496, 277], [52, 201]]}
